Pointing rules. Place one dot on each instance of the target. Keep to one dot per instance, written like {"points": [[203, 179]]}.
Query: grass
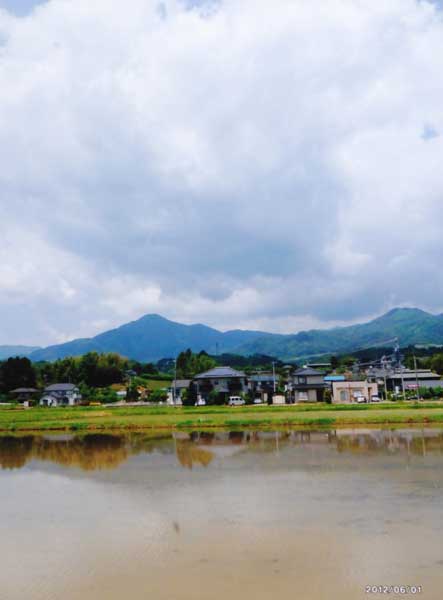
{"points": [[162, 417]]}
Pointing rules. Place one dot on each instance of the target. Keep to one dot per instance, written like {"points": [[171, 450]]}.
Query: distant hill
{"points": [[153, 337], [8, 351], [410, 325]]}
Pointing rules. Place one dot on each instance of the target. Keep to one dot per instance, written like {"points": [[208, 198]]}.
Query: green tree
{"points": [[17, 372], [158, 396], [437, 363]]}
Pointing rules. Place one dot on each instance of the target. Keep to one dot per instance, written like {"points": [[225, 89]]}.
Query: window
{"points": [[302, 380]]}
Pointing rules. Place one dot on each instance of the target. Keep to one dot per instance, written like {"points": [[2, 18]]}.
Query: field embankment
{"points": [[162, 417]]}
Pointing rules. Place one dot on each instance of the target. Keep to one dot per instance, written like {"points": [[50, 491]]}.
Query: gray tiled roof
{"points": [[308, 371], [220, 373], [181, 383], [61, 387]]}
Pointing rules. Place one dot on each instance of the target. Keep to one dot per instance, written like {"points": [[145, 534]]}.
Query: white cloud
{"points": [[238, 163]]}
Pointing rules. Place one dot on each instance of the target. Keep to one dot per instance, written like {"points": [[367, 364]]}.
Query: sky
{"points": [[240, 163]]}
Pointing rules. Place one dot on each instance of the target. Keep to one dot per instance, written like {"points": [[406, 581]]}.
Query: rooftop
{"points": [[306, 371], [181, 383], [220, 373], [61, 387]]}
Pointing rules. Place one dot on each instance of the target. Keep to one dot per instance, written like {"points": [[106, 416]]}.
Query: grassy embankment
{"points": [[161, 417]]}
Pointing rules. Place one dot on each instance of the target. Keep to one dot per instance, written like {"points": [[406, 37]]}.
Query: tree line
{"points": [[92, 370]]}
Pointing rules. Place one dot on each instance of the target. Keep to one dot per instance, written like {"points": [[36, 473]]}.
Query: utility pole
{"points": [[403, 382], [416, 378], [174, 389], [273, 376]]}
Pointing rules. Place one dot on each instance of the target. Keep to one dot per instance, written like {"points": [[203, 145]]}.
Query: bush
{"points": [[158, 396]]}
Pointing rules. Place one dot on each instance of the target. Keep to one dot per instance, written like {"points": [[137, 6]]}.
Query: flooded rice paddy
{"points": [[307, 515]]}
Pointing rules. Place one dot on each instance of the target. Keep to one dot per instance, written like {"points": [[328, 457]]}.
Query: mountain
{"points": [[153, 337], [410, 325], [7, 351]]}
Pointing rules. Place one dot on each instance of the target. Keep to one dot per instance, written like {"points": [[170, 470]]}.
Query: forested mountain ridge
{"points": [[153, 337]]}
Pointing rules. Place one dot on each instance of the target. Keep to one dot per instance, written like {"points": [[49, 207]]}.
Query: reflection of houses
{"points": [[307, 385], [262, 386], [61, 394], [177, 389], [400, 379], [344, 392], [221, 381]]}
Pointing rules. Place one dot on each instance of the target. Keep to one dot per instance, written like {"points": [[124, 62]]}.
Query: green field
{"points": [[162, 417]]}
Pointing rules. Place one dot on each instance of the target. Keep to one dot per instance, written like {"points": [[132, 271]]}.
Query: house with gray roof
{"points": [[222, 382], [262, 385], [176, 391], [307, 385], [61, 394]]}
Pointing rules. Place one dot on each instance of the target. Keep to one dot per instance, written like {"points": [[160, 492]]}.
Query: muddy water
{"points": [[308, 515]]}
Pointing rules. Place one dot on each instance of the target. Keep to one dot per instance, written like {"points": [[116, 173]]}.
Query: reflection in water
{"points": [[108, 451], [303, 514]]}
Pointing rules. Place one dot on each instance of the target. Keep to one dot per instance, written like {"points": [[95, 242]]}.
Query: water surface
{"points": [[307, 515]]}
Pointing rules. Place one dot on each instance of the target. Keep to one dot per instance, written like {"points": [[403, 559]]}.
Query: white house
{"points": [[61, 394]]}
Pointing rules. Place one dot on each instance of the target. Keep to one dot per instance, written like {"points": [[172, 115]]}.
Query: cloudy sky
{"points": [[242, 163]]}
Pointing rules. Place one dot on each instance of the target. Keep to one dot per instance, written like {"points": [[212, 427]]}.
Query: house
{"points": [[307, 385], [344, 392], [176, 390], [221, 381], [399, 379], [23, 394], [61, 394], [262, 386]]}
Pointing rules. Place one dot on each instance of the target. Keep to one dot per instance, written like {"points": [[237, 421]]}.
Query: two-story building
{"points": [[307, 385], [61, 394], [221, 381], [401, 379], [262, 386]]}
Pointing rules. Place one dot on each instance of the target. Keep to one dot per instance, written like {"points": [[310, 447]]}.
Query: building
{"points": [[262, 386], [307, 385], [23, 394], [402, 379], [61, 394], [175, 392], [346, 392], [330, 379], [221, 381]]}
